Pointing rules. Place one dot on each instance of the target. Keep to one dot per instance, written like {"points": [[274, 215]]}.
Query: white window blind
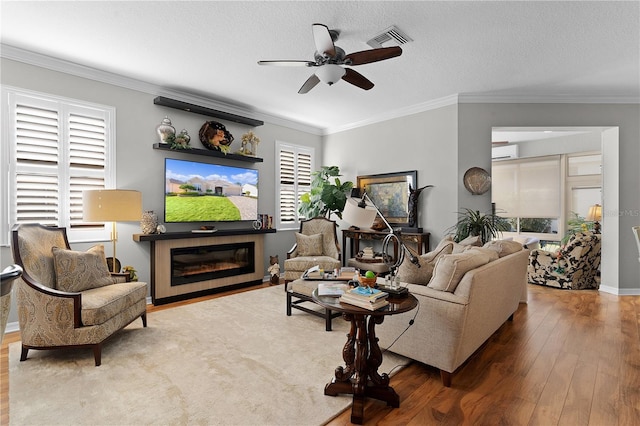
{"points": [[57, 148], [527, 188], [295, 164]]}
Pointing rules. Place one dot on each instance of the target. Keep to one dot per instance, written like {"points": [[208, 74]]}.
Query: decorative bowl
{"points": [[368, 282]]}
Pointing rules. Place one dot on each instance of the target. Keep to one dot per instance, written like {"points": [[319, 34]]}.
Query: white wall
{"points": [[590, 141], [426, 142]]}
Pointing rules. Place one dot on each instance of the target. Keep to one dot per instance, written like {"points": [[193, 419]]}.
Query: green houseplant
{"points": [[473, 223], [327, 195]]}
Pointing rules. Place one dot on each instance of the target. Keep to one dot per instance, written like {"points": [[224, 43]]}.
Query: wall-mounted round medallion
{"points": [[477, 180]]}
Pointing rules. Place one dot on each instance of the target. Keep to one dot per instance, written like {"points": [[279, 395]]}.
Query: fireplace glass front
{"points": [[193, 264]]}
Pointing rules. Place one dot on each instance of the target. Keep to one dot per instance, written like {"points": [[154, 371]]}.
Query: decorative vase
{"points": [[165, 130], [149, 222], [254, 148]]}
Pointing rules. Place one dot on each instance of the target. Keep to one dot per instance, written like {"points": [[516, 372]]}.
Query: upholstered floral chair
{"points": [[67, 298], [574, 266]]}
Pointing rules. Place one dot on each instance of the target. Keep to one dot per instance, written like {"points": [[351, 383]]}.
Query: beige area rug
{"points": [[235, 360]]}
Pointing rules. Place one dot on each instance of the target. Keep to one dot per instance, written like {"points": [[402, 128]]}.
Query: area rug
{"points": [[235, 360]]}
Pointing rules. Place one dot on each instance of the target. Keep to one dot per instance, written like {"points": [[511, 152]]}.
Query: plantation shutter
{"points": [[87, 157], [58, 148], [294, 179], [37, 159]]}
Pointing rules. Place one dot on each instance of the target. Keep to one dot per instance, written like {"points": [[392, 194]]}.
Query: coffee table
{"points": [[362, 355]]}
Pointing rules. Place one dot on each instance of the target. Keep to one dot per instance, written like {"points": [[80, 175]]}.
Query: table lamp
{"points": [[361, 213], [112, 205], [595, 216]]}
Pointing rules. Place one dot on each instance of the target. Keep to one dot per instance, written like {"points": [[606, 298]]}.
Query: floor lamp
{"points": [[112, 205]]}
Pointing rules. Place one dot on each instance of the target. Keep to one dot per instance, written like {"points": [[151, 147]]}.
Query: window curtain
{"points": [[527, 188]]}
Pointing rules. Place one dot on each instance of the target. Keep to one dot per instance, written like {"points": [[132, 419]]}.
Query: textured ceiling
{"points": [[516, 50]]}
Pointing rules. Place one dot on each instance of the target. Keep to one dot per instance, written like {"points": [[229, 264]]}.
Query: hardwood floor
{"points": [[568, 358]]}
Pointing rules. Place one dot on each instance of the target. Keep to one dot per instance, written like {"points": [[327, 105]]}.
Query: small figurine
{"points": [[274, 269]]}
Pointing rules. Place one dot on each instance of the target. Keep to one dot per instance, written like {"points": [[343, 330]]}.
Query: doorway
{"points": [[583, 144]]}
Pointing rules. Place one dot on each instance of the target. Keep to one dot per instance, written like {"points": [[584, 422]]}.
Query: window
{"points": [[547, 195], [295, 164], [55, 148]]}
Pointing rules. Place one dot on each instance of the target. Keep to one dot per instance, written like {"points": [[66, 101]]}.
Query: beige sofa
{"points": [[450, 326]]}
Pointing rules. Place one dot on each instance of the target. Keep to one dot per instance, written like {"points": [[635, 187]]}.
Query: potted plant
{"points": [[327, 195], [473, 223]]}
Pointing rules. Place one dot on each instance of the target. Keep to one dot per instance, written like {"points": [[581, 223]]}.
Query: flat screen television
{"points": [[203, 192]]}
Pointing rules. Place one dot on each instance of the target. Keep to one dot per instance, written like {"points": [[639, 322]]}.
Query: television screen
{"points": [[202, 192]]}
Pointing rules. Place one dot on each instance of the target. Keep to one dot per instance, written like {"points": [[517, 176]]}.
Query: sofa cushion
{"points": [[493, 255], [309, 245], [474, 240], [103, 303], [504, 247], [79, 271], [410, 273], [450, 269]]}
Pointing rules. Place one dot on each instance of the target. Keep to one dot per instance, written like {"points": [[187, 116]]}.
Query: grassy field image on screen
{"points": [[202, 192]]}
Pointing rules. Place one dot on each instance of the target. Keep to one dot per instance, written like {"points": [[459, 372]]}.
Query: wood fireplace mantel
{"points": [[161, 245]]}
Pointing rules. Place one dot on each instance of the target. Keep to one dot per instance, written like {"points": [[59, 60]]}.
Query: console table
{"points": [[420, 240]]}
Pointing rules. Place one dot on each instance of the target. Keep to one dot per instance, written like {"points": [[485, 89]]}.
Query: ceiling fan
{"points": [[330, 59]]}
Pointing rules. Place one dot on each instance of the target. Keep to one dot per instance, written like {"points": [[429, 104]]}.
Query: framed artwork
{"points": [[390, 193]]}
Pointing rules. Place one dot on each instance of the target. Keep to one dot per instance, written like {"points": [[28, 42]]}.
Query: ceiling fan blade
{"points": [[357, 79], [287, 63], [323, 40], [373, 55], [309, 84]]}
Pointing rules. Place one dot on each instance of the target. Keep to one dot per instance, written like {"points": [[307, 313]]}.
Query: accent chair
{"points": [[574, 266], [67, 298]]}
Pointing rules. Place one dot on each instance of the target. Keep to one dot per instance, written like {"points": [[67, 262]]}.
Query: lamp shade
{"points": [[330, 73], [360, 217], [595, 213], [113, 205]]}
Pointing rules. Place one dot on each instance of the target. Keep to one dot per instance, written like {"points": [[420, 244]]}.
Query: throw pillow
{"points": [[504, 247], [309, 245], [492, 254], [79, 271], [450, 269], [410, 273], [471, 241], [521, 240]]}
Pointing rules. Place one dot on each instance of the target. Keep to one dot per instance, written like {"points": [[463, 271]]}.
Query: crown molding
{"points": [[401, 112], [489, 98], [75, 69]]}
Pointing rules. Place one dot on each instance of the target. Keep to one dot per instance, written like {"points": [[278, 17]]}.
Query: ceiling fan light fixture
{"points": [[330, 73]]}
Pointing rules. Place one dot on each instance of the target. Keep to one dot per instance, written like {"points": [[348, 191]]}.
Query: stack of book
{"points": [[367, 298]]}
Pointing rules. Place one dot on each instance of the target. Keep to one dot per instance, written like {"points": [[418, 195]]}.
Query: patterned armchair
{"points": [[316, 244], [575, 266], [67, 298]]}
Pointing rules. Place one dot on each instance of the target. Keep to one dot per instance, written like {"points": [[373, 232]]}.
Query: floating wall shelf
{"points": [[208, 153], [184, 106]]}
